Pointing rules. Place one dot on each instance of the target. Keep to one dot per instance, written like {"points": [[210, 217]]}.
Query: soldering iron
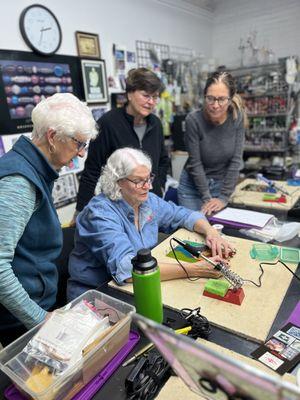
{"points": [[234, 279]]}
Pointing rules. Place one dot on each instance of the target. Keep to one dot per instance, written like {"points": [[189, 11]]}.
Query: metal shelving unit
{"points": [[267, 101]]}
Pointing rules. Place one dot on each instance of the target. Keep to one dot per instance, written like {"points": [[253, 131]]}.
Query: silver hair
{"points": [[65, 114], [119, 165]]}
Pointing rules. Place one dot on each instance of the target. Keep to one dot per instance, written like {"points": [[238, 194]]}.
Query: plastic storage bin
{"points": [[64, 387], [290, 254], [264, 252]]}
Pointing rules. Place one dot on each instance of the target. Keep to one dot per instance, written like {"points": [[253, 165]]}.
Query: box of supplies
{"points": [[56, 359]]}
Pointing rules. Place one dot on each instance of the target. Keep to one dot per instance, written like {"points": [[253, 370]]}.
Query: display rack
{"points": [[267, 101], [149, 53]]}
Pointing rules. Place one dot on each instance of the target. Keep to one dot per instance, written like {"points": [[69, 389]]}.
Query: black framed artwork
{"points": [[94, 81], [26, 78]]}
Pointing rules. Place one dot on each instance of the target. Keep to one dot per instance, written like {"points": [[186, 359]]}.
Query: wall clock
{"points": [[40, 29]]}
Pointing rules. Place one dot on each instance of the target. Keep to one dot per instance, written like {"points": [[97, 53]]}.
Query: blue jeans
{"points": [[188, 195]]}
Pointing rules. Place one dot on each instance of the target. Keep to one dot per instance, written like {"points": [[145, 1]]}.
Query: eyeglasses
{"points": [[80, 145], [147, 97], [222, 101], [139, 184]]}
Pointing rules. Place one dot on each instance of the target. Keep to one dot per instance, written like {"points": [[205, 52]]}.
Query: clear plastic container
{"points": [[290, 254], [264, 252], [95, 357]]}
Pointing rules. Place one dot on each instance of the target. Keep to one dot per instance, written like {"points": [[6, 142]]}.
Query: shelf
{"points": [[265, 94], [285, 114], [267, 101], [255, 68], [260, 150], [266, 130]]}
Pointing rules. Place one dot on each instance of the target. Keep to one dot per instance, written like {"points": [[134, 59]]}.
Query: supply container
{"points": [[94, 357], [264, 252]]}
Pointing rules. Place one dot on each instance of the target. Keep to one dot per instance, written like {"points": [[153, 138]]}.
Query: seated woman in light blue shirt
{"points": [[124, 218]]}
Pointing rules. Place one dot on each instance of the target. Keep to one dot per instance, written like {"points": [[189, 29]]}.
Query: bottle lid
{"points": [[144, 261]]}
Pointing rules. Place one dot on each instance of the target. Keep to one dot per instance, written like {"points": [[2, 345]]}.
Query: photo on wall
{"points": [[94, 81]]}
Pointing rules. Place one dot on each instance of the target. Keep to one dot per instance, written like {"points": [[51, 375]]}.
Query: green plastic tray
{"points": [[264, 252], [290, 254]]}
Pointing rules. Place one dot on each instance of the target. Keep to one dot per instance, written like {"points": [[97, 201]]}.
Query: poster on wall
{"points": [[65, 190], [94, 81], [9, 140], [76, 165], [98, 111]]}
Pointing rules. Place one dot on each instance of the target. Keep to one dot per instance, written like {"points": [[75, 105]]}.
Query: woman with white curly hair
{"points": [[126, 217], [30, 232]]}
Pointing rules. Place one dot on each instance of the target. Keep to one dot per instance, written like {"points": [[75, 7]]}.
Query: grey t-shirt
{"points": [[140, 131], [215, 151]]}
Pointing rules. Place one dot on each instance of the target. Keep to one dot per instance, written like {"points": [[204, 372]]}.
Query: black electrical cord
{"points": [[260, 276], [245, 280], [147, 377], [181, 265], [200, 325]]}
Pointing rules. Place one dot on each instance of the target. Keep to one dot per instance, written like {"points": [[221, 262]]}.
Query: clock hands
{"points": [[42, 30]]}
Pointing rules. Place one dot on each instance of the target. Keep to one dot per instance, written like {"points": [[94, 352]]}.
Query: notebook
{"points": [[211, 374], [244, 218]]}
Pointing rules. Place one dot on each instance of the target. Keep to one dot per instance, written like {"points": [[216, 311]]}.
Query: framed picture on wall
{"points": [[88, 44], [94, 81]]}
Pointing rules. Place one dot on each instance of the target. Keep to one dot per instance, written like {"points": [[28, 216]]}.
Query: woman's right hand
{"points": [[206, 270]]}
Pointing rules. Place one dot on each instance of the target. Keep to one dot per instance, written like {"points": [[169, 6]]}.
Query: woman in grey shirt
{"points": [[214, 139]]}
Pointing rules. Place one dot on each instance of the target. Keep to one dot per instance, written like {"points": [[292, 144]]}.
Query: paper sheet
{"points": [[254, 218]]}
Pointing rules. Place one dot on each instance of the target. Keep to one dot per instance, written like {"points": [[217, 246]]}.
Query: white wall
{"points": [[116, 21], [276, 21], [172, 22]]}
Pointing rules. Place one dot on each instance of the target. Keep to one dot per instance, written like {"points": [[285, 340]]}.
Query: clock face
{"points": [[40, 29]]}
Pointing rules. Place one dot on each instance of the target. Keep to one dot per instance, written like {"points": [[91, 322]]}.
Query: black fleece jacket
{"points": [[116, 131]]}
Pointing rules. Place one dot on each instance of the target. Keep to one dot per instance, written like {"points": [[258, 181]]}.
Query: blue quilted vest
{"points": [[41, 242]]}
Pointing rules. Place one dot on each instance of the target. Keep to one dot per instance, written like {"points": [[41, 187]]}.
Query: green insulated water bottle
{"points": [[146, 286]]}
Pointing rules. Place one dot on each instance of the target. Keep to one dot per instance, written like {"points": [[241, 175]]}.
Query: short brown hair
{"points": [[143, 79]]}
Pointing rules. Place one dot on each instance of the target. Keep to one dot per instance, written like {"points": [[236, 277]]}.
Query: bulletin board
{"points": [[254, 317], [253, 198]]}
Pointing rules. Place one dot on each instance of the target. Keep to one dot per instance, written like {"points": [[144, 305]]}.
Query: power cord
{"points": [[200, 325], [181, 265], [151, 371], [245, 280]]}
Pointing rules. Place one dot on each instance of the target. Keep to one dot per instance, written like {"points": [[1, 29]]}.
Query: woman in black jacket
{"points": [[131, 126]]}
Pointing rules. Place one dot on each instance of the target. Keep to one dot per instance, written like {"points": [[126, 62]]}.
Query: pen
{"points": [[183, 331]]}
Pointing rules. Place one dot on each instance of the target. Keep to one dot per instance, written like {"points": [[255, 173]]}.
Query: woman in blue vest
{"points": [[30, 232]]}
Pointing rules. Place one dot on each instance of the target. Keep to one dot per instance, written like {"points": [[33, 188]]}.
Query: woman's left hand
{"points": [[218, 245], [212, 205]]}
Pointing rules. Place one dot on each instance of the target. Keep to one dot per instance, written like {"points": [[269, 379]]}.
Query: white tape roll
{"points": [[218, 227]]}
